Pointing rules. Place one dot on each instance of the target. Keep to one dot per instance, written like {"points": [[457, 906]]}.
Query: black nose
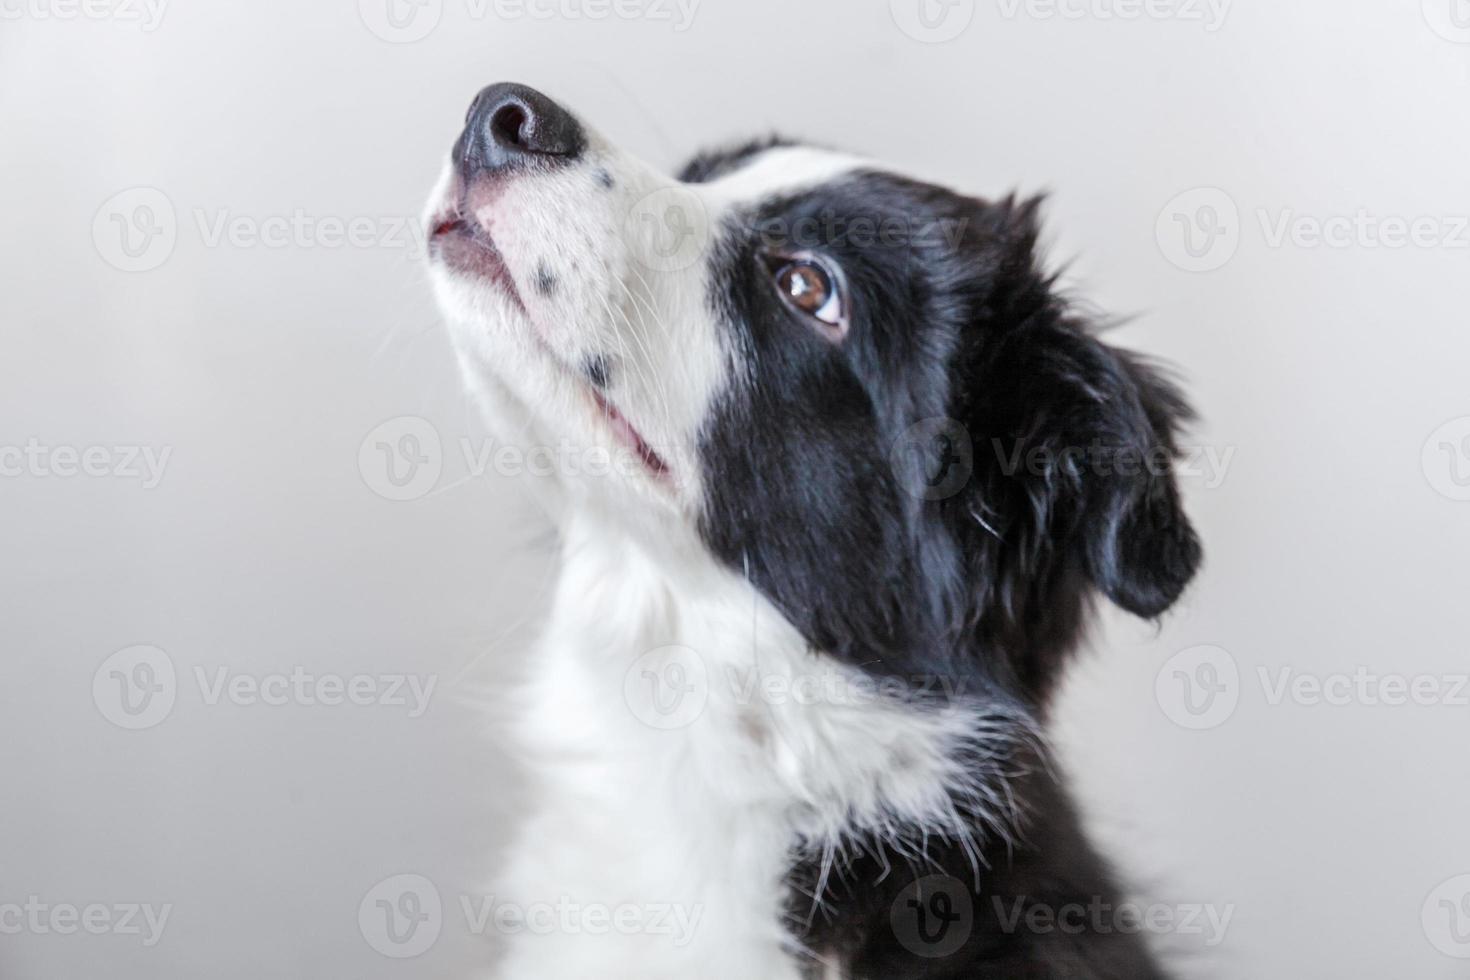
{"points": [[513, 125]]}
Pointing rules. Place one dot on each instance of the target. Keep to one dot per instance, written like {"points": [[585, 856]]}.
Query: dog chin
{"points": [[567, 431]]}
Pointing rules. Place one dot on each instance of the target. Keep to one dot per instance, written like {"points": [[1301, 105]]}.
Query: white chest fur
{"points": [[683, 741]]}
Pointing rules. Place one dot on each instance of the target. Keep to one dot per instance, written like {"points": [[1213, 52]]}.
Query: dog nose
{"points": [[512, 126]]}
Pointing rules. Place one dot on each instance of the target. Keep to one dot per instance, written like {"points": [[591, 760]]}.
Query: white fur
{"points": [[788, 748], [702, 815]]}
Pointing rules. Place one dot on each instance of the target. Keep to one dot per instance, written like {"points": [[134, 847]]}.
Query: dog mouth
{"points": [[624, 432], [630, 438], [465, 246]]}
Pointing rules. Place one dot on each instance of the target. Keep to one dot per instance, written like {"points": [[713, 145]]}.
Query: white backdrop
{"points": [[193, 357]]}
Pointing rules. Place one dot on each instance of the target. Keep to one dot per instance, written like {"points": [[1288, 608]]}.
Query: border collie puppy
{"points": [[839, 477]]}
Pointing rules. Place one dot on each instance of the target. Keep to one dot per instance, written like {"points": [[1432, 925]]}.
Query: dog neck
{"points": [[683, 661]]}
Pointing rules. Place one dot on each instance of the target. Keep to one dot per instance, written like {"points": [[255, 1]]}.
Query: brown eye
{"points": [[808, 286]]}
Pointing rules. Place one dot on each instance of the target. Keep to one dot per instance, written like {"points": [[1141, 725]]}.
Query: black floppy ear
{"points": [[1089, 433], [1140, 548], [1087, 436]]}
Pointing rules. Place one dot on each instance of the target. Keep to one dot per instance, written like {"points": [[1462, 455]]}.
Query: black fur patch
{"points": [[888, 914], [598, 370], [712, 164], [820, 484], [940, 496]]}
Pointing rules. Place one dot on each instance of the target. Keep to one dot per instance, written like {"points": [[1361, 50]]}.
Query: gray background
{"points": [[1333, 831]]}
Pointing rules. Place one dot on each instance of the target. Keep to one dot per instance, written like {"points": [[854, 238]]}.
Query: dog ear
{"points": [[1140, 547], [1084, 434], [1090, 432]]}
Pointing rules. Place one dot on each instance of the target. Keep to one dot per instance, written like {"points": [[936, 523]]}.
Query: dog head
{"points": [[860, 391]]}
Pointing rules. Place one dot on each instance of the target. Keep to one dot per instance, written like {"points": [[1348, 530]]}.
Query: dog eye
{"points": [[814, 290]]}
